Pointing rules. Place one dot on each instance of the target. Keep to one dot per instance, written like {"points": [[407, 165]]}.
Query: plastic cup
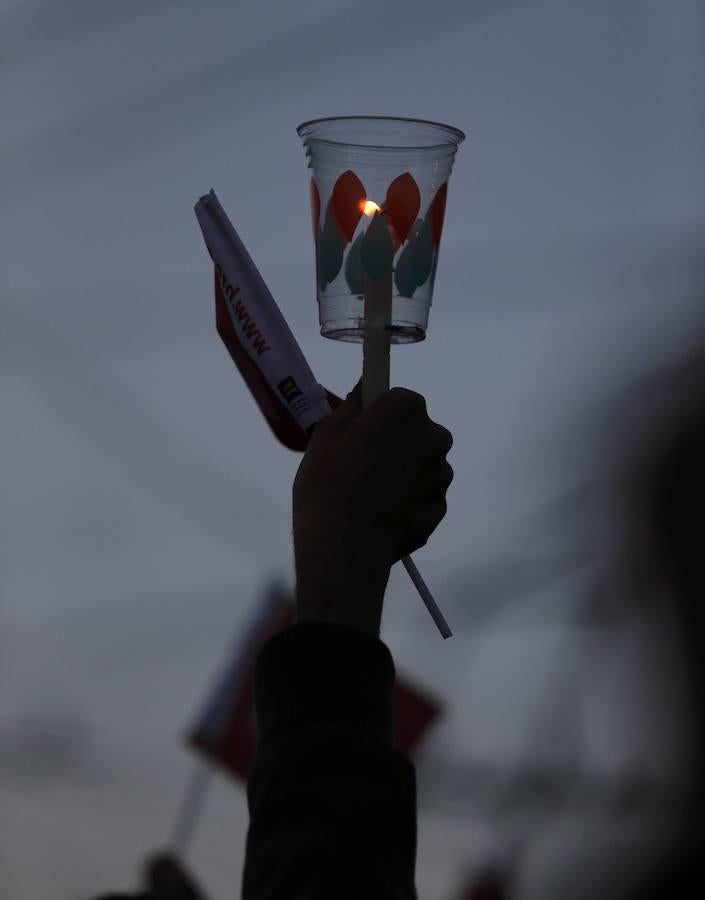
{"points": [[378, 197]]}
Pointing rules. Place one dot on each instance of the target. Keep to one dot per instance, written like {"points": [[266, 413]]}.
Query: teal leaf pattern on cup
{"points": [[377, 250], [422, 253], [354, 272], [330, 250], [404, 277], [416, 259]]}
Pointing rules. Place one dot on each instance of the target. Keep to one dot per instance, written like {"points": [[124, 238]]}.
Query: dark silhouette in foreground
{"points": [[165, 879], [332, 801]]}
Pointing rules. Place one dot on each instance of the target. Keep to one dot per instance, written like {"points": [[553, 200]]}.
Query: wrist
{"points": [[342, 589]]}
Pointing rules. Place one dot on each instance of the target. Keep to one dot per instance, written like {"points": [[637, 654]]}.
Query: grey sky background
{"points": [[144, 501]]}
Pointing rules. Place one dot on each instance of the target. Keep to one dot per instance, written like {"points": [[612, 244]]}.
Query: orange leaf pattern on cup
{"points": [[436, 212], [402, 204], [345, 205], [373, 251]]}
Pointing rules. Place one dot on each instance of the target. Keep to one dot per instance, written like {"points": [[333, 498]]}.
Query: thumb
{"points": [[169, 880], [347, 410], [355, 395]]}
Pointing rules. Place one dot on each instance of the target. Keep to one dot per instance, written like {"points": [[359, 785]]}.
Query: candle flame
{"points": [[369, 207]]}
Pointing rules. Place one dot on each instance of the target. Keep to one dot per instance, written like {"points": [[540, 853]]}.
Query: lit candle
{"points": [[377, 255], [369, 207]]}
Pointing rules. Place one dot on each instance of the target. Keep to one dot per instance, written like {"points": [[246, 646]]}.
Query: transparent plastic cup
{"points": [[378, 197]]}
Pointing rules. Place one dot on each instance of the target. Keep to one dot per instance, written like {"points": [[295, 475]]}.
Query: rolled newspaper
{"points": [[260, 327], [265, 350]]}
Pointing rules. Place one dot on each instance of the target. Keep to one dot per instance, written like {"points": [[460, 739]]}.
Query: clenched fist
{"points": [[370, 489]]}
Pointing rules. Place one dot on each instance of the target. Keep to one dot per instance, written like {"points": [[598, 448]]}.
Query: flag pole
{"points": [[190, 808]]}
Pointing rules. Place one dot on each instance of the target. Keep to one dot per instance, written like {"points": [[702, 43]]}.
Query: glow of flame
{"points": [[369, 207]]}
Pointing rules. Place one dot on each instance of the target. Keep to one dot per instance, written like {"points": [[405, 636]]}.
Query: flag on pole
{"points": [[491, 884], [225, 731]]}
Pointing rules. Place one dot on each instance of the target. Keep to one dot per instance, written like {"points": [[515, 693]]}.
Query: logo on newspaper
{"points": [[289, 390]]}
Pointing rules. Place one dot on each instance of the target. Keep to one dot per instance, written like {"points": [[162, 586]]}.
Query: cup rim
{"points": [[456, 133]]}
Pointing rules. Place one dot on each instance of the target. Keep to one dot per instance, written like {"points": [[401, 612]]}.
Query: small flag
{"points": [[491, 884], [225, 731]]}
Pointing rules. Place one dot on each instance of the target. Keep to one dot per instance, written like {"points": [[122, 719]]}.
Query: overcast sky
{"points": [[144, 501]]}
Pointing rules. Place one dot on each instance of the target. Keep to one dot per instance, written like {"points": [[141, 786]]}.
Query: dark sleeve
{"points": [[332, 801], [679, 878]]}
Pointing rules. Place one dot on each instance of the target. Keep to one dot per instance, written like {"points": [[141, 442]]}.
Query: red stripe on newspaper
{"points": [[283, 423]]}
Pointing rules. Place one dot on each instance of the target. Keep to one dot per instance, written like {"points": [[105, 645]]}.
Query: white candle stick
{"points": [[375, 381], [375, 346]]}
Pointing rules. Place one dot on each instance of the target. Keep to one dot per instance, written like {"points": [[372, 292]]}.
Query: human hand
{"points": [[370, 489], [165, 880]]}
